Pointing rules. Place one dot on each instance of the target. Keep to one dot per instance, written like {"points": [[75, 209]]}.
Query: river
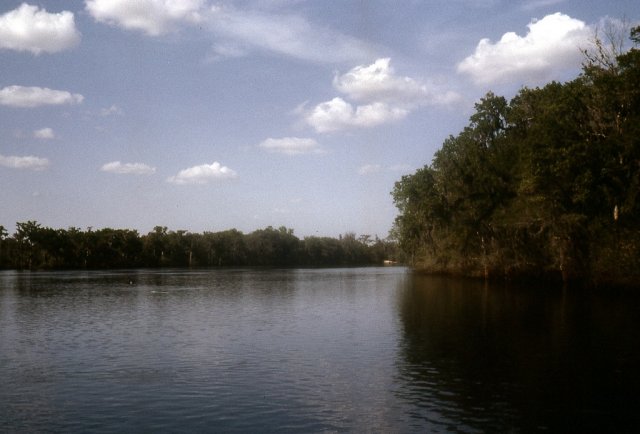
{"points": [[312, 350]]}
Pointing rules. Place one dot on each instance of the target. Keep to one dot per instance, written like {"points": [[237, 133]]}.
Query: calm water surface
{"points": [[311, 350]]}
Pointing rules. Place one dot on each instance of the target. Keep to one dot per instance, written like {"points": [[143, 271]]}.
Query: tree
{"points": [[26, 236], [273, 247], [546, 184], [3, 236], [446, 208]]}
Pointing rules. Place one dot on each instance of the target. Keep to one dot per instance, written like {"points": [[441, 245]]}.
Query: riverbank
{"points": [[532, 276]]}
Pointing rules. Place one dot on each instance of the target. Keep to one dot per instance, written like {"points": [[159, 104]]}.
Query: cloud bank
{"points": [[380, 96], [291, 146], [28, 162], [29, 28], [29, 97], [202, 174], [128, 168], [551, 44]]}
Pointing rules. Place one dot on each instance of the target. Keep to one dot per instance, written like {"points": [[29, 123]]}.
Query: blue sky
{"points": [[205, 116]]}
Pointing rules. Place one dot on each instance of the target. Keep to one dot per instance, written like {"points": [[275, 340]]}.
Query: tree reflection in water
{"points": [[480, 357]]}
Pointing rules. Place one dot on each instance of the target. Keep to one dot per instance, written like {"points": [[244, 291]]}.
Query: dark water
{"points": [[339, 350]]}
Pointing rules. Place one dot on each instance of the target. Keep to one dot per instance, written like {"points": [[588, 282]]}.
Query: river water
{"points": [[312, 350]]}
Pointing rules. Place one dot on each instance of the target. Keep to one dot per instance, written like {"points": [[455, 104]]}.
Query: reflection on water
{"points": [[495, 359], [224, 350], [326, 350]]}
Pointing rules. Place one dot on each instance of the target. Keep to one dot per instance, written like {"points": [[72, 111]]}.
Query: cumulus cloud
{"points": [[291, 146], [128, 168], [44, 134], [27, 162], [382, 95], [29, 97], [379, 82], [153, 17], [552, 44], [338, 114], [202, 174], [29, 28]]}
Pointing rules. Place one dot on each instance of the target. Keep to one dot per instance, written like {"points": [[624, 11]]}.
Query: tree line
{"points": [[34, 247], [545, 185]]}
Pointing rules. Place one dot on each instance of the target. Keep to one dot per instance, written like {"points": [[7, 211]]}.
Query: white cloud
{"points": [[28, 97], [202, 174], [29, 28], [128, 168], [44, 134], [338, 114], [378, 82], [552, 44], [383, 96], [153, 17], [368, 169], [28, 162], [288, 34], [238, 31], [110, 111], [291, 146]]}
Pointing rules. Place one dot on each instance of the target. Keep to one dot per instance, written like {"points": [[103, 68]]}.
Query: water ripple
{"points": [[340, 350]]}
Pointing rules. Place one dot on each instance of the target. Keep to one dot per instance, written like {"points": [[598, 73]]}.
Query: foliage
{"points": [[33, 246], [545, 185]]}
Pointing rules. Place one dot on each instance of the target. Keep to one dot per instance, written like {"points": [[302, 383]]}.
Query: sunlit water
{"points": [[311, 350]]}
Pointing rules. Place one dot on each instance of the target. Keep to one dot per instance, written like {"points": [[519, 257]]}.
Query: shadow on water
{"points": [[476, 357]]}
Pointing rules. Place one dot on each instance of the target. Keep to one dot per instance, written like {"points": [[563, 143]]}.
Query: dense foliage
{"points": [[35, 247], [546, 185]]}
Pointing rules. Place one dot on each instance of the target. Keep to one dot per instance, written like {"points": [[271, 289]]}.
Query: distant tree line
{"points": [[545, 186], [34, 247]]}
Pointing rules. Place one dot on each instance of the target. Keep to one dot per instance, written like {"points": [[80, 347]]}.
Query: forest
{"points": [[544, 186], [35, 247]]}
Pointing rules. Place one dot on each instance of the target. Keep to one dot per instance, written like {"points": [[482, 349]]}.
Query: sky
{"points": [[207, 115]]}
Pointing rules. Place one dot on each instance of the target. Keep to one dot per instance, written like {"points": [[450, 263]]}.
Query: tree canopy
{"points": [[545, 185], [33, 246]]}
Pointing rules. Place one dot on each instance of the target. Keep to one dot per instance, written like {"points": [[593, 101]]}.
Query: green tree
{"points": [[546, 184], [3, 236], [273, 247], [27, 236]]}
